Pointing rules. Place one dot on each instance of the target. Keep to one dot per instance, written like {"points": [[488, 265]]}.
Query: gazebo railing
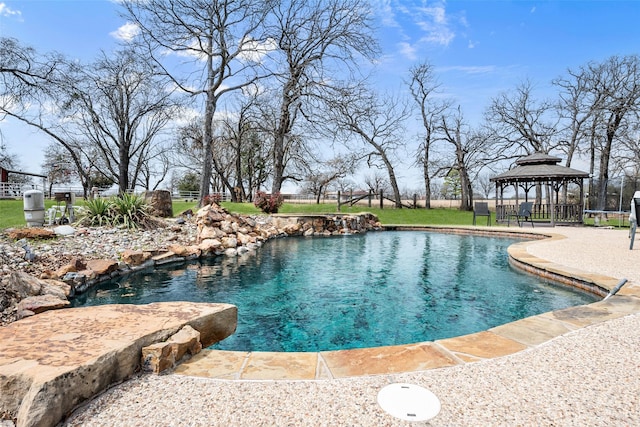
{"points": [[563, 212]]}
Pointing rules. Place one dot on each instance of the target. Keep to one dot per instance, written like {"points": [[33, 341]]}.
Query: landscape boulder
{"points": [[102, 266], [135, 258], [165, 355], [41, 303]]}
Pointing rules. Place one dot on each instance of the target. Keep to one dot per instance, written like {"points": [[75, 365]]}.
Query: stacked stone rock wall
{"points": [[218, 233]]}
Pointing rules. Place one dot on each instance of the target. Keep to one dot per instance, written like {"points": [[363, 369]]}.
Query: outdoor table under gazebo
{"points": [[542, 171]]}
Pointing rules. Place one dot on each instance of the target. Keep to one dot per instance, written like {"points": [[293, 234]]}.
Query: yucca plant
{"points": [[97, 212], [131, 211]]}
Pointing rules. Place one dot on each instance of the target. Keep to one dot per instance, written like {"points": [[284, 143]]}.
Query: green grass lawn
{"points": [[12, 212], [440, 216]]}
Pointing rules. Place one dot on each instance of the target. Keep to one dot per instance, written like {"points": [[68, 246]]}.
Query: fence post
{"points": [[381, 200], [370, 196], [338, 200]]}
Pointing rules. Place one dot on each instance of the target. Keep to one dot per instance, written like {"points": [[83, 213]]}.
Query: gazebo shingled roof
{"points": [[538, 167]]}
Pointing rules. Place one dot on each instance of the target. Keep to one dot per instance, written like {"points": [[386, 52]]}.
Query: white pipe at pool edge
{"points": [[616, 289]]}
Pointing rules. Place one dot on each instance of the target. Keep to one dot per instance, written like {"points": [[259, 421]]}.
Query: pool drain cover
{"points": [[409, 402]]}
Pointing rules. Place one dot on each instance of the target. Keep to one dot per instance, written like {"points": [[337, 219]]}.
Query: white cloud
{"points": [[7, 11], [475, 69], [126, 33], [408, 51], [437, 13], [420, 24], [433, 21], [387, 14]]}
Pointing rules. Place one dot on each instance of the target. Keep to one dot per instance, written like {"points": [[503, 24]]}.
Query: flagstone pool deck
{"points": [[553, 354]]}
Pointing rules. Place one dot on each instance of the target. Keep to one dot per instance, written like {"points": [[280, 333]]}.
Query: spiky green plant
{"points": [[131, 211], [97, 212]]}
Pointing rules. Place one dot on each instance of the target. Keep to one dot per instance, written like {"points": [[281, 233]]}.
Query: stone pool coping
{"points": [[496, 342]]}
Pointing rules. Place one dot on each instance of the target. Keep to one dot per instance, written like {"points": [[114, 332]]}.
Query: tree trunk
{"points": [[603, 176], [207, 134], [282, 131], [466, 188], [427, 179], [123, 169], [392, 180], [278, 162]]}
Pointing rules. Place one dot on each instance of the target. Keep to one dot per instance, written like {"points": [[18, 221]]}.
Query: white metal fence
{"points": [[9, 190]]}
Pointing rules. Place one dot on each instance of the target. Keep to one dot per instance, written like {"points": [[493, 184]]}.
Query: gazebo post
{"points": [[552, 204], [582, 205], [497, 202]]}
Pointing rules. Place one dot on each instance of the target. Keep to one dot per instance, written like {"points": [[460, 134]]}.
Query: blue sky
{"points": [[479, 48]]}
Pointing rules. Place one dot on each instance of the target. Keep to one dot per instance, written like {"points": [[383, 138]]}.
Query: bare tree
{"points": [[378, 122], [104, 114], [222, 38], [120, 106], [377, 182], [22, 71], [241, 132], [616, 84], [7, 159], [155, 169], [469, 152], [424, 88], [322, 174], [520, 124], [316, 39], [484, 185], [577, 108], [30, 84], [57, 166]]}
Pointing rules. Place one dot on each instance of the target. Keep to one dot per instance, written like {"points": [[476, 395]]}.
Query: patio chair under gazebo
{"points": [[541, 170]]}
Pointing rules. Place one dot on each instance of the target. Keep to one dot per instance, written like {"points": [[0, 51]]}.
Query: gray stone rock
{"points": [[64, 230], [24, 284]]}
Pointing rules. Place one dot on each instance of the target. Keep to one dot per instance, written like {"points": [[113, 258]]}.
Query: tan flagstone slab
{"points": [[584, 315], [52, 361], [385, 360], [214, 364], [629, 289], [280, 366], [466, 358], [482, 344], [532, 330]]}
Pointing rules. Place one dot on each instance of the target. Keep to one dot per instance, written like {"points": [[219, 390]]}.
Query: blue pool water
{"points": [[366, 290]]}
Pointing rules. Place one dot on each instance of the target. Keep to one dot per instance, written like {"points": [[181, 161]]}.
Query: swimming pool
{"points": [[365, 290]]}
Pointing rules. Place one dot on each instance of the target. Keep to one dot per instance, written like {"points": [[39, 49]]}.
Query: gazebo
{"points": [[543, 171]]}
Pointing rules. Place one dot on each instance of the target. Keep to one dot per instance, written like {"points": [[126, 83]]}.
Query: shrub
{"points": [[97, 212], [131, 211], [268, 203], [128, 210]]}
